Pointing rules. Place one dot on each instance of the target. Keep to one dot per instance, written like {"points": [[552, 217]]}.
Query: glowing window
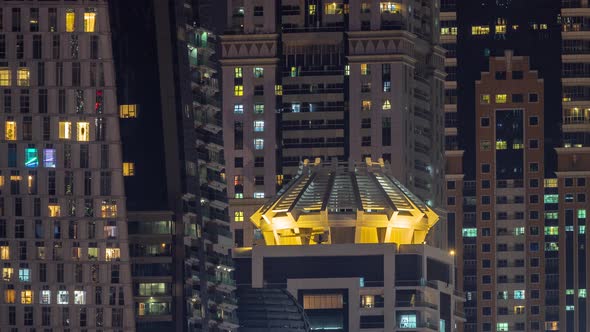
{"points": [[258, 195], [366, 105], [10, 128], [347, 70], [1, 180], [280, 178], [239, 108], [278, 90], [10, 296], [334, 9], [365, 69], [49, 158], [551, 230], [92, 253], [5, 76], [294, 71], [485, 99], [477, 30], [24, 275], [150, 289], [258, 72], [31, 159], [551, 199], [239, 216], [582, 293], [582, 229], [23, 77], [569, 308], [7, 273], [112, 254], [519, 294], [258, 143], [502, 327], [65, 130], [517, 146], [551, 246], [386, 105], [45, 297], [108, 209], [238, 90], [258, 108], [501, 98], [239, 195], [323, 301], [4, 252], [63, 297], [389, 7], [550, 183], [469, 232], [54, 210], [127, 111], [501, 26], [501, 145], [238, 73], [581, 213], [26, 296], [312, 9], [89, 20], [70, 20], [83, 131], [128, 169], [259, 126], [448, 31]]}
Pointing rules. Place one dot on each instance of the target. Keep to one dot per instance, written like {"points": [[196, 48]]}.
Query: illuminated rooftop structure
{"points": [[338, 203]]}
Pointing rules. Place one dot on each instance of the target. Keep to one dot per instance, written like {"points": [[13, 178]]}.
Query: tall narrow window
{"points": [[89, 19], [128, 169], [52, 19], [70, 20], [40, 73], [65, 130], [16, 19], [24, 77], [238, 90], [34, 19], [2, 46], [5, 76], [10, 130], [238, 72], [258, 143], [83, 131], [94, 47]]}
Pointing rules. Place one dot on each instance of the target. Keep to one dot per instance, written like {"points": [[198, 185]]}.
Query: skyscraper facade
{"points": [[64, 247], [341, 80]]}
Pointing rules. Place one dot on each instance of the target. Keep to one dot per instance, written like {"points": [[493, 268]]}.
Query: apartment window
{"points": [[238, 90], [533, 144], [533, 98], [484, 99], [365, 69], [83, 131], [478, 30], [259, 126], [10, 295], [23, 76], [70, 20], [127, 111], [16, 17], [26, 297], [278, 90], [323, 301], [10, 130], [258, 72], [501, 98], [239, 108], [238, 216], [258, 143], [517, 98], [5, 76], [89, 20], [238, 73], [386, 105], [386, 86], [366, 105], [258, 108], [485, 122], [128, 169]]}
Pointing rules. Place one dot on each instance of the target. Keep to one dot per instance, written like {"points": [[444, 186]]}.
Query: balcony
{"points": [[418, 303]]}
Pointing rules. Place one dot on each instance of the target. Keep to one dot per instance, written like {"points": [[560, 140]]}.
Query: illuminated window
{"points": [[26, 296], [4, 252], [501, 327], [49, 158], [152, 288], [551, 230], [550, 183], [582, 229], [259, 126], [334, 9], [365, 69], [386, 105], [54, 210], [367, 301], [239, 108], [278, 90], [258, 143], [347, 70], [65, 130], [448, 31], [128, 169], [389, 7], [280, 178], [10, 296], [238, 90], [24, 275], [501, 145], [45, 297], [258, 195], [569, 308], [515, 27], [92, 253], [518, 231], [10, 128], [501, 26], [239, 216], [108, 209], [63, 297], [89, 20], [5, 76], [7, 273], [1, 180], [83, 131], [551, 199], [469, 232], [485, 99], [366, 105], [23, 77], [294, 71], [501, 98], [238, 73], [480, 30], [31, 159], [581, 213], [517, 146], [551, 246], [113, 254], [543, 26], [312, 9], [323, 301], [127, 111], [258, 72], [519, 294], [258, 108], [582, 293], [70, 20], [239, 195]]}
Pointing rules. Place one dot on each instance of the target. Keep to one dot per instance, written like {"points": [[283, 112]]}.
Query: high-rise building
{"points": [[330, 79], [346, 241], [63, 231], [173, 159]]}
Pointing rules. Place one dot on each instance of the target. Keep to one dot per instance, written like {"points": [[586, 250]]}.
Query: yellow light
{"points": [[10, 131], [89, 21], [24, 76], [65, 130], [70, 20], [452, 252], [83, 129], [5, 76]]}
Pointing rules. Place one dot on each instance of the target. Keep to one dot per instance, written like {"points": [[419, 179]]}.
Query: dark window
{"points": [[534, 144], [533, 121], [259, 162], [485, 168], [238, 162], [500, 75], [517, 75], [517, 98], [485, 122], [533, 98], [450, 184], [258, 11]]}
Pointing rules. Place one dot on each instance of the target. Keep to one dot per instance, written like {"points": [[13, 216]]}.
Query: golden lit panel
{"points": [[550, 183], [501, 98], [312, 9], [278, 90], [26, 297], [112, 254], [238, 90], [89, 21], [386, 105], [366, 105], [10, 296], [23, 76], [108, 210], [54, 210], [501, 145], [480, 30], [5, 76], [70, 20], [127, 111], [4, 252], [83, 131], [389, 7], [65, 130], [485, 99], [365, 69], [7, 273], [10, 130], [128, 169], [1, 180]]}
